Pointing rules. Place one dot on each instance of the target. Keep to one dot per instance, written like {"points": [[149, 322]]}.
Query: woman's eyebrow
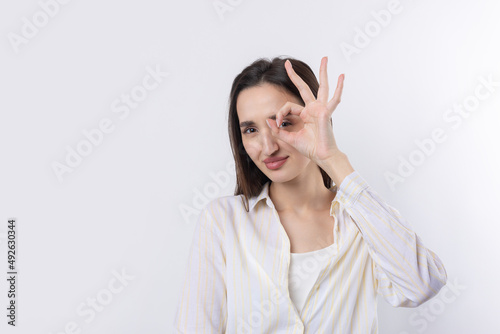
{"points": [[250, 123], [273, 117]]}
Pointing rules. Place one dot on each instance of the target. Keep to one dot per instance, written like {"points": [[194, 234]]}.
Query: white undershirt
{"points": [[303, 272]]}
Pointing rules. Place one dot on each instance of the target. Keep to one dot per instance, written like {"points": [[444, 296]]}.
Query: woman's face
{"points": [[254, 106]]}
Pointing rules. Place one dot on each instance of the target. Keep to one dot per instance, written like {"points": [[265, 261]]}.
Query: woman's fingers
{"points": [[323, 81], [288, 108], [333, 103], [286, 136], [304, 90]]}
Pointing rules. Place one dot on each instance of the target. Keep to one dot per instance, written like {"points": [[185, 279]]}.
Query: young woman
{"points": [[291, 252]]}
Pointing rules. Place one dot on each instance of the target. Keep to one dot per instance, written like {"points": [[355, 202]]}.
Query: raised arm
{"points": [[407, 273]]}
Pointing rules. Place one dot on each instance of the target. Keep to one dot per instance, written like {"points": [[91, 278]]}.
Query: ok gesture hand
{"points": [[315, 140]]}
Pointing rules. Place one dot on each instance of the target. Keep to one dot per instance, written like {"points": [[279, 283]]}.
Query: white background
{"points": [[122, 207]]}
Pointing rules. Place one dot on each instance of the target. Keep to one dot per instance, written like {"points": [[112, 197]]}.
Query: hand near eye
{"points": [[315, 140]]}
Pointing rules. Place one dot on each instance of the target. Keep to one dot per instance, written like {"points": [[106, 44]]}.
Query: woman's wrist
{"points": [[337, 166]]}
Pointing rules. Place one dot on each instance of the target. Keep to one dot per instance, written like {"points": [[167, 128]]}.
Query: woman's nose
{"points": [[269, 142]]}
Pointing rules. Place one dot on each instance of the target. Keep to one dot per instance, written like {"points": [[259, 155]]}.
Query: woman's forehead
{"points": [[262, 100]]}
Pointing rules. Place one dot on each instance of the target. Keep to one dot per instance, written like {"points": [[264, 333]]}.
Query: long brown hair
{"points": [[249, 178]]}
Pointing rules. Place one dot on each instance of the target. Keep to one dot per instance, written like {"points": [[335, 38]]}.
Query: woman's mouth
{"points": [[276, 164]]}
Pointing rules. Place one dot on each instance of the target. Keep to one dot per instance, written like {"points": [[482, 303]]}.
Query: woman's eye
{"points": [[285, 122], [246, 130]]}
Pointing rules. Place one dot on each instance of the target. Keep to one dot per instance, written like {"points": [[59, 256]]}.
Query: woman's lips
{"points": [[276, 164]]}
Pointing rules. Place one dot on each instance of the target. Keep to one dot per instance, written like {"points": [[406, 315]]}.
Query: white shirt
{"points": [[237, 275], [303, 272]]}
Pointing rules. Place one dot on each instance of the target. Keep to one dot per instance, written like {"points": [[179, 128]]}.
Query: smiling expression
{"points": [[254, 106]]}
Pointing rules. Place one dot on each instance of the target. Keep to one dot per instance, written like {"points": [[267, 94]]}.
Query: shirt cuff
{"points": [[350, 189]]}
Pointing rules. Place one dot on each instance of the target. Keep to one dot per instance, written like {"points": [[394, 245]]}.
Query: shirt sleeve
{"points": [[407, 273], [202, 306]]}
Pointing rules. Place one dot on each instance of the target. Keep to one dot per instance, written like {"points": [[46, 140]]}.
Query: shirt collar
{"points": [[264, 194]]}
